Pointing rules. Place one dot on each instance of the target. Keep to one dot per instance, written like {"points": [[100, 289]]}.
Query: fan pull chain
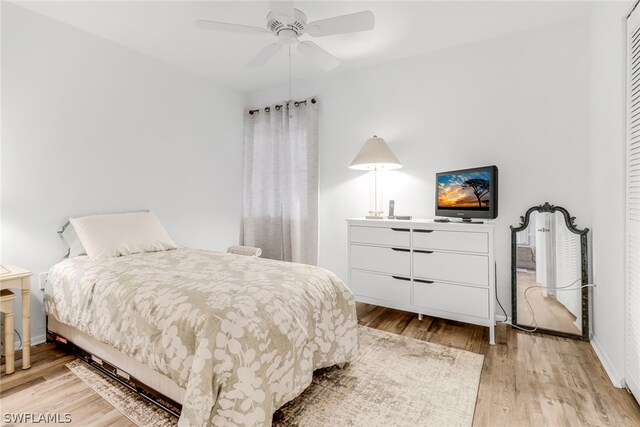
{"points": [[290, 98]]}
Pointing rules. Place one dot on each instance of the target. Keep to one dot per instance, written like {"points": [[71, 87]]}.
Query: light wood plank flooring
{"points": [[527, 379]]}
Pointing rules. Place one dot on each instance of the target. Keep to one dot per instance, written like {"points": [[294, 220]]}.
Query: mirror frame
{"points": [[570, 222]]}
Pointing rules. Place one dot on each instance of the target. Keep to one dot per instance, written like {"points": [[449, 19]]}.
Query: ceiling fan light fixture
{"points": [[287, 36]]}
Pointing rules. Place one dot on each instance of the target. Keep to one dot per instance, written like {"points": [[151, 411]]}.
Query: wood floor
{"points": [[527, 379]]}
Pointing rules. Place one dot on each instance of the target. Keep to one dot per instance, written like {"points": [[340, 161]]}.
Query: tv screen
{"points": [[468, 193]]}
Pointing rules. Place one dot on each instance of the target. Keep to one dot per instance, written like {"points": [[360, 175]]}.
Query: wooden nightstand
{"points": [[19, 278]]}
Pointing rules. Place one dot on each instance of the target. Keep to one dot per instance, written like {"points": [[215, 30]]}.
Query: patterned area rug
{"points": [[395, 381]]}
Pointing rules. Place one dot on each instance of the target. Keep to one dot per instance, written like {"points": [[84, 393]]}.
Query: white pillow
{"points": [[107, 236]]}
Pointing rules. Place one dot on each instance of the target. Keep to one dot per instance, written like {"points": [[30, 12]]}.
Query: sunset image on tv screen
{"points": [[464, 191]]}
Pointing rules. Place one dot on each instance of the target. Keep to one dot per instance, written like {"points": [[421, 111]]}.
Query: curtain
{"points": [[281, 181]]}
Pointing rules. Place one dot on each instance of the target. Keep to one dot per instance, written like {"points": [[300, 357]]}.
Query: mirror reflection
{"points": [[549, 274]]}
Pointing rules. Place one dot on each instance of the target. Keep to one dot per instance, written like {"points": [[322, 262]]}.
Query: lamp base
{"points": [[375, 215]]}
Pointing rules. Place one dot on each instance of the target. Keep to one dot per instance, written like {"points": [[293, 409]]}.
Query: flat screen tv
{"points": [[468, 193]]}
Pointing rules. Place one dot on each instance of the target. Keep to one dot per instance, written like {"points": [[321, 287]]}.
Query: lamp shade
{"points": [[375, 154]]}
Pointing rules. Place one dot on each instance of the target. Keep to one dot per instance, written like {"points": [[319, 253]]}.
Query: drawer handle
{"points": [[422, 252], [423, 281], [400, 229], [401, 250], [423, 231], [401, 278]]}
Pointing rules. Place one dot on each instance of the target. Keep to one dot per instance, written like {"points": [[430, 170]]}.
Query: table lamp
{"points": [[375, 156]]}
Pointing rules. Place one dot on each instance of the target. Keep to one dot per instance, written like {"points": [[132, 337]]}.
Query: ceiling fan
{"points": [[288, 24]]}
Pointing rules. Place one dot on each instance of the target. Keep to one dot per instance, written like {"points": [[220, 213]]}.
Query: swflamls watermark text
{"points": [[35, 418]]}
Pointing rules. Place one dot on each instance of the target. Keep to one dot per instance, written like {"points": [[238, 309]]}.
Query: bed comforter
{"points": [[242, 335]]}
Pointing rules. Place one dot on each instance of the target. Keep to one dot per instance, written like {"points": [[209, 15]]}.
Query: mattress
{"points": [[157, 381]]}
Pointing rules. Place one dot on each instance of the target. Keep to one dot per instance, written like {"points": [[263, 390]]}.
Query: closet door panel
{"points": [[632, 330]]}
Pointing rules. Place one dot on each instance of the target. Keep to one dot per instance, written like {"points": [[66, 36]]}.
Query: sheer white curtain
{"points": [[281, 181]]}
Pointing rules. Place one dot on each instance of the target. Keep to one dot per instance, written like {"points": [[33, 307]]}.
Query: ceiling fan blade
{"points": [[321, 57], [234, 28], [283, 11], [264, 55], [359, 21]]}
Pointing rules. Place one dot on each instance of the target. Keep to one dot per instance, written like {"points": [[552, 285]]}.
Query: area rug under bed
{"points": [[394, 381]]}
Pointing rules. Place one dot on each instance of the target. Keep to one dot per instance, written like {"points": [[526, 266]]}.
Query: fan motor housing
{"points": [[288, 33]]}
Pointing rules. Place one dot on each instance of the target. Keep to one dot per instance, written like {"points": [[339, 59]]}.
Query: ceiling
{"points": [[165, 30]]}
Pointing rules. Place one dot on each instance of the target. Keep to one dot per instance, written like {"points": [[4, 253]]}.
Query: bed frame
{"points": [[116, 374]]}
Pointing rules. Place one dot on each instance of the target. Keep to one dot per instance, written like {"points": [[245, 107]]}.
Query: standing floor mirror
{"points": [[549, 273]]}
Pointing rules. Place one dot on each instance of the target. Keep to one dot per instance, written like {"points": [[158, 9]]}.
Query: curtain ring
{"points": [[278, 107], [266, 110]]}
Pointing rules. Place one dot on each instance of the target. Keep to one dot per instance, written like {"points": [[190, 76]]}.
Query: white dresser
{"points": [[441, 269]]}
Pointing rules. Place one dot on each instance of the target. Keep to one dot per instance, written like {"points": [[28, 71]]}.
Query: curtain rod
{"points": [[278, 107]]}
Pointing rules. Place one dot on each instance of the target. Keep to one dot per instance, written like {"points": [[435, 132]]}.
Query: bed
{"points": [[229, 337]]}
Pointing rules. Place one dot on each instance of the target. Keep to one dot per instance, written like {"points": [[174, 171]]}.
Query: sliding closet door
{"points": [[632, 356]]}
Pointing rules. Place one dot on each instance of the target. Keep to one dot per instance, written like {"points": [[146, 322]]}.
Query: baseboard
{"points": [[616, 378], [38, 339]]}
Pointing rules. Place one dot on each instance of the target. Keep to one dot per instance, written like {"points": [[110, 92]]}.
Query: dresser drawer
{"points": [[457, 299], [465, 241], [382, 287], [383, 260], [383, 236], [450, 267]]}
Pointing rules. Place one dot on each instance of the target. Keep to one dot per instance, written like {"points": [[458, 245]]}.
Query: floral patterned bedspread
{"points": [[242, 335]]}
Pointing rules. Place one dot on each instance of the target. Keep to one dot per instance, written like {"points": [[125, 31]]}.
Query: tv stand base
{"points": [[470, 221]]}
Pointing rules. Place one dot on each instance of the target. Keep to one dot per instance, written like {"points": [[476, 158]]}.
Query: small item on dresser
{"points": [[406, 217], [442, 220], [245, 250], [392, 205]]}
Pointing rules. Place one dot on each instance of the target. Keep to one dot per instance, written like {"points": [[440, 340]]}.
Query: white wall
{"points": [[607, 181], [519, 101], [89, 126]]}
